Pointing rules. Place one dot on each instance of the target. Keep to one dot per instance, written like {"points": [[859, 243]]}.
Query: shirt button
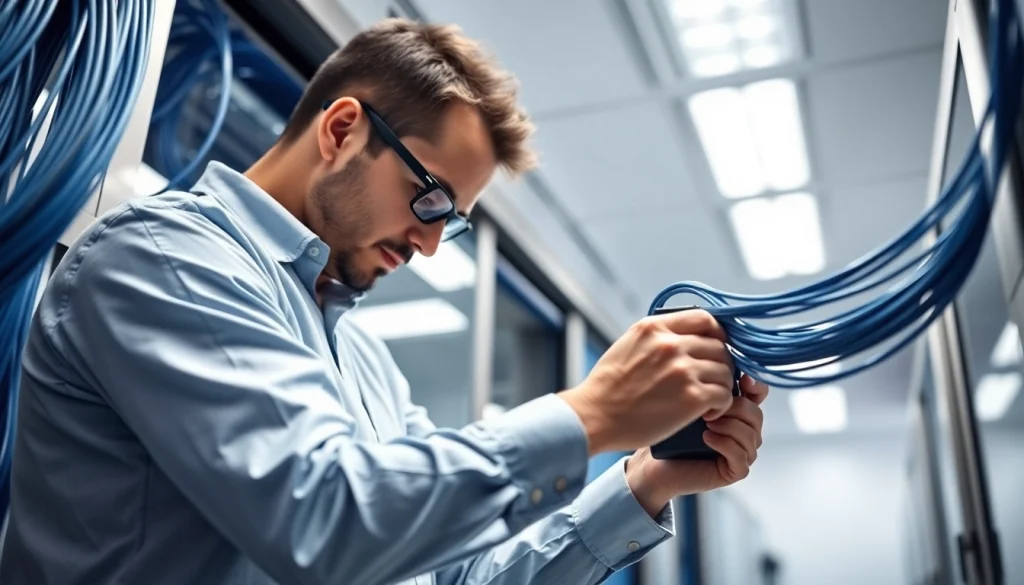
{"points": [[633, 546], [314, 251], [561, 484], [536, 496]]}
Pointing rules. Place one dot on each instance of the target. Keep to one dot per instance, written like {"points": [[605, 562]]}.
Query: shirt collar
{"points": [[273, 226], [280, 232]]}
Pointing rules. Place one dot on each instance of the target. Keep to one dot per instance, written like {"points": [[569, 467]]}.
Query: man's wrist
{"points": [[649, 495], [599, 432]]}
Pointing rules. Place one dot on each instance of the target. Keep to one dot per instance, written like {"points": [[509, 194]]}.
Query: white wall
{"points": [[829, 508]]}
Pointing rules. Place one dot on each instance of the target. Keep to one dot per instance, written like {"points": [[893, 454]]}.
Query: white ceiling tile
{"points": [[843, 30], [616, 162], [861, 219], [566, 53], [874, 121]]}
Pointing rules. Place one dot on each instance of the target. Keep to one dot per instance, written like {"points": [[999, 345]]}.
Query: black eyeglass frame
{"points": [[430, 184]]}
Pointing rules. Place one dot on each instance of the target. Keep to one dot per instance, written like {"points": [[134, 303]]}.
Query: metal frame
{"points": [[965, 45], [483, 316]]}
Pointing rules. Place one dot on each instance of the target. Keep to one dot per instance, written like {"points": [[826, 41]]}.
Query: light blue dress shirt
{"points": [[190, 415]]}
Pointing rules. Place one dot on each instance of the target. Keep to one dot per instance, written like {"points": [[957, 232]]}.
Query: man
{"points": [[196, 408]]}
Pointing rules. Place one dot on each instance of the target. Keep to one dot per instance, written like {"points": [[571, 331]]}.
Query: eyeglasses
{"points": [[433, 201]]}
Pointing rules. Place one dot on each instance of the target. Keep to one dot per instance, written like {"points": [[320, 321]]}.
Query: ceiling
{"points": [[623, 165], [625, 199]]}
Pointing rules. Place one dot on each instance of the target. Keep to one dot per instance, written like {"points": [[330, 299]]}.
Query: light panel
{"points": [[753, 136], [449, 269], [720, 118], [779, 236], [995, 394], [752, 34], [1007, 351], [411, 319], [819, 410]]}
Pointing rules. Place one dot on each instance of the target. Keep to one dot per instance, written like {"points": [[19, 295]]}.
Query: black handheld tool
{"points": [[689, 443]]}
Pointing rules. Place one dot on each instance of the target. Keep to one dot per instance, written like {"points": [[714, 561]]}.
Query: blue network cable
{"points": [[88, 58], [203, 50], [910, 293]]}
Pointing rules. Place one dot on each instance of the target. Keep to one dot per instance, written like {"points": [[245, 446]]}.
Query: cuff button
{"points": [[633, 546], [560, 484], [536, 495]]}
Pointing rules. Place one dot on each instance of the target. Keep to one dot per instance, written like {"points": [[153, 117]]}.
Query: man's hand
{"points": [[736, 435], [662, 374]]}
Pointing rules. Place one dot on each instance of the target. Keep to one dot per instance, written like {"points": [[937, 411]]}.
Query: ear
{"points": [[343, 130]]}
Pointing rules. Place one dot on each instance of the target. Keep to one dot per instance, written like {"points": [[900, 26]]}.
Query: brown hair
{"points": [[410, 72]]}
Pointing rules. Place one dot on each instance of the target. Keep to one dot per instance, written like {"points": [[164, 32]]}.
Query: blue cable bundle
{"points": [[917, 290], [90, 56], [203, 50]]}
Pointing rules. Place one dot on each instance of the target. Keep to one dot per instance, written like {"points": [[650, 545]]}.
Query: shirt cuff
{"points": [[545, 447], [613, 524]]}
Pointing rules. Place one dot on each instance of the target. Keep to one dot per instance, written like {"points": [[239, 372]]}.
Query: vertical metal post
{"points": [[965, 43], [483, 316], [575, 349]]}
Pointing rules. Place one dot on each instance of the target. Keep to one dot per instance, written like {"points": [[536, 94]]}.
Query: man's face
{"points": [[360, 205]]}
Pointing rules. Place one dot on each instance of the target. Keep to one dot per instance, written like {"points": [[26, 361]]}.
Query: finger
{"points": [[732, 454], [693, 322], [745, 410], [738, 431], [717, 400], [706, 348], [712, 372], [755, 391]]}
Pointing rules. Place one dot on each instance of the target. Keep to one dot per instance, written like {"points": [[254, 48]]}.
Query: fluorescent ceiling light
{"points": [[1007, 351], [708, 36], [411, 319], [995, 394], [728, 141], [763, 56], [756, 27], [773, 112], [819, 410], [715, 65], [716, 38], [683, 10], [753, 137], [779, 236], [450, 268]]}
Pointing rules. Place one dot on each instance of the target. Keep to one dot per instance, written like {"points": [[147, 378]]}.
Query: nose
{"points": [[426, 238]]}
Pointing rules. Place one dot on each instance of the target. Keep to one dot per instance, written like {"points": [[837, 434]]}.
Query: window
{"points": [[528, 335]]}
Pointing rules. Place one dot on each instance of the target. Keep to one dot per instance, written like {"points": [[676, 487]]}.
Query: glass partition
{"points": [[528, 338]]}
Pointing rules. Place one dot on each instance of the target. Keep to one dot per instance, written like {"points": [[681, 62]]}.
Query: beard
{"points": [[344, 206]]}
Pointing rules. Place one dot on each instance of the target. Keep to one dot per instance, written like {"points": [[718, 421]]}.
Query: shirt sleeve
{"points": [[603, 530], [181, 332]]}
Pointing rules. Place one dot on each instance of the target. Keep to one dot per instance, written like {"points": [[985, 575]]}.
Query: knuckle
{"points": [[684, 369], [646, 326], [705, 319]]}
